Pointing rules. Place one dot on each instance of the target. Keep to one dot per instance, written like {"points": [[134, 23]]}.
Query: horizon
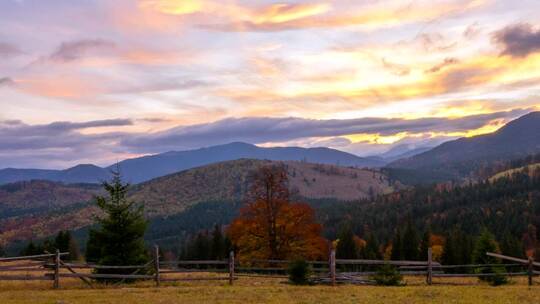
{"points": [[106, 81]]}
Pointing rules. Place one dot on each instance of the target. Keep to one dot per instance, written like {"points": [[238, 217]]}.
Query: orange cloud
{"points": [[301, 16]]}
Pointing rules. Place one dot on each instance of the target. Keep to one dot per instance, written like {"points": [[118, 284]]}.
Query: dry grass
{"points": [[260, 290]]}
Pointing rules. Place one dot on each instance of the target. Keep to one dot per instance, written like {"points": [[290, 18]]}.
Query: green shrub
{"points": [[388, 275], [299, 272]]}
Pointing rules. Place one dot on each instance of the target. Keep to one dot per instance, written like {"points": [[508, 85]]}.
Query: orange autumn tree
{"points": [[270, 226]]}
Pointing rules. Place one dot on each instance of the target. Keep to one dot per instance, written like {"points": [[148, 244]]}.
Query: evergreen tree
{"points": [[119, 240], [397, 247], [371, 251], [346, 247], [425, 244], [448, 255], [410, 242], [93, 246], [486, 243], [511, 246], [218, 250], [73, 248]]}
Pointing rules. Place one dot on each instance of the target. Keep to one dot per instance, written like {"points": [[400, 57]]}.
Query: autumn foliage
{"points": [[270, 226]]}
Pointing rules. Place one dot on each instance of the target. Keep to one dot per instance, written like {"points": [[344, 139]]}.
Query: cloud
{"points": [[264, 129], [446, 62], [65, 142], [282, 17], [6, 81], [69, 51], [518, 40], [9, 50]]}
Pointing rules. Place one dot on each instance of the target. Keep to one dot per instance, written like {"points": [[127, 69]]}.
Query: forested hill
{"points": [[506, 206], [465, 156], [216, 186]]}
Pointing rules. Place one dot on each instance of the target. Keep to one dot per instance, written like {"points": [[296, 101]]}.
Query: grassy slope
{"points": [[269, 291]]}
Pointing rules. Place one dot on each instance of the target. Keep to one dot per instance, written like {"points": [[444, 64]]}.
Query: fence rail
{"points": [[332, 271]]}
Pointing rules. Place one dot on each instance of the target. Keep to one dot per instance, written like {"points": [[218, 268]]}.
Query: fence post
{"points": [[56, 284], [333, 266], [429, 266], [156, 264], [231, 267], [530, 271]]}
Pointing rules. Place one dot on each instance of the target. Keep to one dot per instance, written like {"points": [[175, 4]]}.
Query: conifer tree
{"points": [[511, 246], [410, 242], [397, 247], [218, 250], [425, 244], [486, 243], [371, 250], [346, 247], [119, 239]]}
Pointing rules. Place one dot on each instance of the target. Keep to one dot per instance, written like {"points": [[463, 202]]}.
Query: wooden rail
{"points": [[330, 271]]}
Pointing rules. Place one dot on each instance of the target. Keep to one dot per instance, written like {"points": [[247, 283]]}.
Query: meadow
{"points": [[259, 290]]}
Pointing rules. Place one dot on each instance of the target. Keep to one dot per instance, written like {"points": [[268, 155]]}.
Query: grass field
{"points": [[269, 291]]}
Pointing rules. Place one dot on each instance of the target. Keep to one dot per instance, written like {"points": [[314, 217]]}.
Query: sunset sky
{"points": [[98, 81]]}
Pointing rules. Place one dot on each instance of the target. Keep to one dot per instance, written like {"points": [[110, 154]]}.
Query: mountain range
{"points": [[137, 170], [461, 158]]}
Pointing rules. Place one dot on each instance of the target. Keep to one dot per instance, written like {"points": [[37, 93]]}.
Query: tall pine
{"points": [[119, 238], [410, 242], [346, 247]]}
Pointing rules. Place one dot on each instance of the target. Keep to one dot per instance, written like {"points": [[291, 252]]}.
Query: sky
{"points": [[99, 81]]}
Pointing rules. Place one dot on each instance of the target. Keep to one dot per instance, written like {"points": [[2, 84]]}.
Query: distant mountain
{"points": [[462, 157], [402, 151], [40, 208], [145, 168], [78, 174]]}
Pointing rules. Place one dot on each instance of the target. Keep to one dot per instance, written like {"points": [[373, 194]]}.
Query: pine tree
{"points": [[397, 247], [346, 247], [218, 250], [371, 250], [448, 255], [486, 243], [511, 246], [410, 242], [119, 240], [425, 244], [64, 242]]}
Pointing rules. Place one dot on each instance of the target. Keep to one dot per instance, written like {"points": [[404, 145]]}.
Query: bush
{"points": [[498, 278], [299, 272], [388, 275]]}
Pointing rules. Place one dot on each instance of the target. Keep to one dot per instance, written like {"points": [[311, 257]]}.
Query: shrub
{"points": [[299, 272], [388, 275]]}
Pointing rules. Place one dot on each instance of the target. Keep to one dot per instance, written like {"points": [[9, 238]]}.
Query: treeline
{"points": [[205, 245], [454, 216], [64, 242], [485, 172]]}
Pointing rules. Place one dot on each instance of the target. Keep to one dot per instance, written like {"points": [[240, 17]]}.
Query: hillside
{"points": [[460, 158], [229, 181], [510, 172], [171, 195], [145, 168], [42, 196]]}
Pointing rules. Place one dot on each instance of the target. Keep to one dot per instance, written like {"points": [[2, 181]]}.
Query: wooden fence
{"points": [[334, 271]]}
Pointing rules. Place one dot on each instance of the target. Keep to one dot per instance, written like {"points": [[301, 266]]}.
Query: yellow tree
{"points": [[270, 226]]}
